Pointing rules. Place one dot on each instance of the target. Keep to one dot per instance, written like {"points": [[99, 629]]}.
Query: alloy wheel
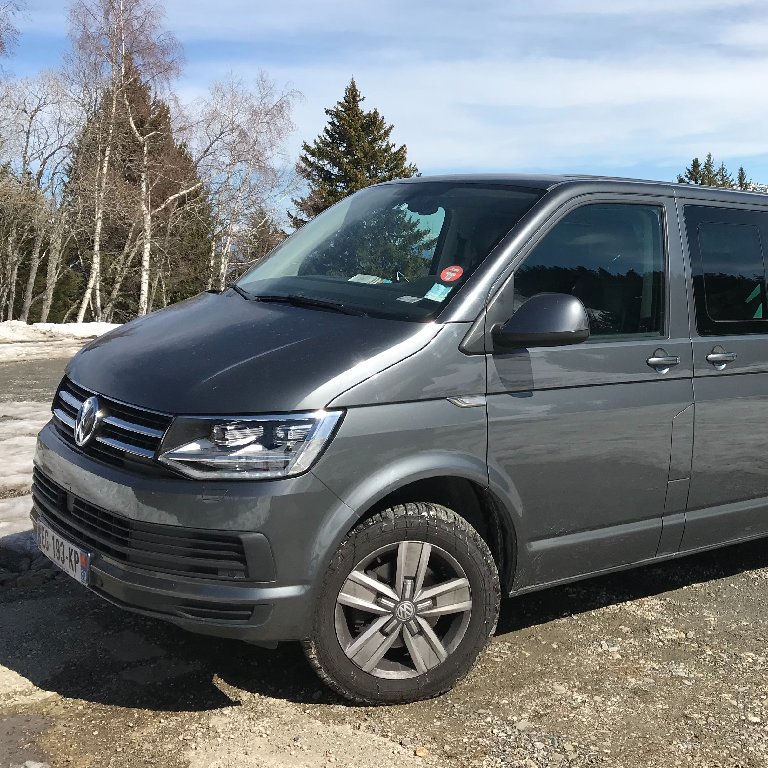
{"points": [[403, 610]]}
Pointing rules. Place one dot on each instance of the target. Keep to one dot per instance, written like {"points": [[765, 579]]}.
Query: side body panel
{"points": [[728, 497], [580, 439]]}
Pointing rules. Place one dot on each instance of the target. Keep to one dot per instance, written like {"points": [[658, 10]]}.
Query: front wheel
{"points": [[409, 602]]}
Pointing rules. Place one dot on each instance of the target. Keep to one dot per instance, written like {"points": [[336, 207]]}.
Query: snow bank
{"points": [[14, 331], [34, 350], [14, 515], [78, 330], [19, 425]]}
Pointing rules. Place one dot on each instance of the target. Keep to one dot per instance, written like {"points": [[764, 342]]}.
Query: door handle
{"points": [[661, 362], [721, 359]]}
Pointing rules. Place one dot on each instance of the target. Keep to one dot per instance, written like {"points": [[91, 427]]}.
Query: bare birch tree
{"points": [[9, 33], [107, 37], [114, 197], [238, 141], [37, 126]]}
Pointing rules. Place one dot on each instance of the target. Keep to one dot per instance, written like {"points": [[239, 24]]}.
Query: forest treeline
{"points": [[117, 197]]}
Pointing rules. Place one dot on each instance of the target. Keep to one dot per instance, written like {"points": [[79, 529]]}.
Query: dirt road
{"points": [[663, 666]]}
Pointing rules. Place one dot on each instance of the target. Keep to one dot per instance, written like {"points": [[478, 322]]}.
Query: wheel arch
{"points": [[461, 485], [475, 503]]}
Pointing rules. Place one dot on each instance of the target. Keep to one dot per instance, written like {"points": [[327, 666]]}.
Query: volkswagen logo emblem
{"points": [[405, 611], [87, 420]]}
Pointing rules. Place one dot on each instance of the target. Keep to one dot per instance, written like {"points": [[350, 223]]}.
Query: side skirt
{"points": [[639, 564]]}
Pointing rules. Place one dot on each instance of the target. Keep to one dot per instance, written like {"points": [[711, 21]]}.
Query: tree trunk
{"points": [[12, 286], [153, 291], [211, 264], [165, 264], [34, 264], [93, 289], [123, 264], [52, 272], [224, 262], [146, 218], [8, 292], [5, 286]]}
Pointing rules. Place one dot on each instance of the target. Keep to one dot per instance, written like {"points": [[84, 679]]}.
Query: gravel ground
{"points": [[661, 666]]}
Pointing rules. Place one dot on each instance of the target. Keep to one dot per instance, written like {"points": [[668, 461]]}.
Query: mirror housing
{"points": [[545, 320]]}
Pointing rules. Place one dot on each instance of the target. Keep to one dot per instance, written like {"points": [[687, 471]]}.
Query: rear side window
{"points": [[611, 257], [728, 264]]}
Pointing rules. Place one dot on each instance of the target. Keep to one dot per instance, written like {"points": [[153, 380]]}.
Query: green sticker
{"points": [[437, 292]]}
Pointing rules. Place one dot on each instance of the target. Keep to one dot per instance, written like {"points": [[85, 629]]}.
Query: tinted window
{"points": [[395, 250], [728, 270], [609, 256]]}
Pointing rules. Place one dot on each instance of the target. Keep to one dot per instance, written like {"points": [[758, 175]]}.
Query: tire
{"points": [[388, 578]]}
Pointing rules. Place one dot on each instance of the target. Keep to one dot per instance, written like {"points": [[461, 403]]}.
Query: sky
{"points": [[621, 87]]}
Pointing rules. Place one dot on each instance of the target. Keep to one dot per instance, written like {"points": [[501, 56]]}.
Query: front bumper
{"points": [[283, 524]]}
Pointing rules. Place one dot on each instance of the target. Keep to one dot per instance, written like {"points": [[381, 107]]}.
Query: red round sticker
{"points": [[449, 274]]}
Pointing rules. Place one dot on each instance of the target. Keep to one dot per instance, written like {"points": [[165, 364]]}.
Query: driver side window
{"points": [[611, 257]]}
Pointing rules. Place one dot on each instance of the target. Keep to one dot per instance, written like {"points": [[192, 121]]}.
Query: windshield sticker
{"points": [[409, 299], [371, 279], [449, 274], [437, 292]]}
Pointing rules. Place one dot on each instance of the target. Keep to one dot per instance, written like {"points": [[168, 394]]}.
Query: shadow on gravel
{"points": [[67, 640], [587, 595]]}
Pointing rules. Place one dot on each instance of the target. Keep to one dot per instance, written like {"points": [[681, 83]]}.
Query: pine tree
{"points": [[707, 174], [353, 151], [723, 177], [692, 173], [742, 182]]}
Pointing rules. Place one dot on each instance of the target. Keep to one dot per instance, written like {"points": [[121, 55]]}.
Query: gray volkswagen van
{"points": [[439, 392]]}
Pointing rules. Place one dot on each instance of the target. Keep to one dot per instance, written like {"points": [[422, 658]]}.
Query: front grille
{"points": [[166, 548], [126, 436]]}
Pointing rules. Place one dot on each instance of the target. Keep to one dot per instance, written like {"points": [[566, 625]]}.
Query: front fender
{"points": [[381, 448]]}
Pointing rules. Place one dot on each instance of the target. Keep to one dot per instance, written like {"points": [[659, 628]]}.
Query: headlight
{"points": [[248, 447]]}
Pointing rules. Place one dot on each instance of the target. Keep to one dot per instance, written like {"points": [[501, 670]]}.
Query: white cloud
{"points": [[246, 19], [506, 84], [552, 113], [747, 35]]}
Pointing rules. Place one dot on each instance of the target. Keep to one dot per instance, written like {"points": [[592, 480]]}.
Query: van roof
{"points": [[594, 183]]}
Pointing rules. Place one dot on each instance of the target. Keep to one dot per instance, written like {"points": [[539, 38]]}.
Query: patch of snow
{"points": [[19, 425], [16, 456], [24, 411], [78, 330], [15, 331], [34, 350], [19, 341], [14, 515], [15, 525]]}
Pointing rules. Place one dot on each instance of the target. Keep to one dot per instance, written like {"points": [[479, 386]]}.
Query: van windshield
{"points": [[396, 250]]}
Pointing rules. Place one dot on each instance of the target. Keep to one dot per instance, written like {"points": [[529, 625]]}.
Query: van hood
{"points": [[223, 354]]}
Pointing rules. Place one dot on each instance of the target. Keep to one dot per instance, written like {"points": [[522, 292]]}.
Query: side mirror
{"points": [[545, 320]]}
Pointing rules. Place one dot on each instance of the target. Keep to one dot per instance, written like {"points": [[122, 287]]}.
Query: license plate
{"points": [[71, 559]]}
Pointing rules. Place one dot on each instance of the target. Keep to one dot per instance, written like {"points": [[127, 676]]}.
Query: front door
{"points": [[729, 485], [580, 436]]}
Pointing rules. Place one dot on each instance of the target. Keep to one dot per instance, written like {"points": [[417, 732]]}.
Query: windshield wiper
{"points": [[241, 291], [306, 301]]}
